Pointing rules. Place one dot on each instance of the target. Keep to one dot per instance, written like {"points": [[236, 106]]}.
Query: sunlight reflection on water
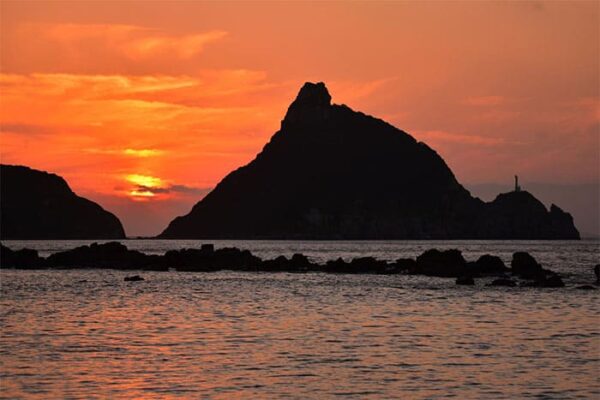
{"points": [[87, 333]]}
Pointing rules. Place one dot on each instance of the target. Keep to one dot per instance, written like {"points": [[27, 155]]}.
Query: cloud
{"points": [[188, 189], [134, 42], [26, 129], [145, 193], [88, 49], [484, 100], [141, 153], [171, 189], [183, 47], [146, 187]]}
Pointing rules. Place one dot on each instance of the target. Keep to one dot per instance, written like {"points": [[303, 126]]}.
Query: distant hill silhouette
{"points": [[39, 205], [333, 173]]}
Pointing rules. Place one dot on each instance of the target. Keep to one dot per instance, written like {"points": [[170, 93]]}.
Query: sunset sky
{"points": [[145, 106]]}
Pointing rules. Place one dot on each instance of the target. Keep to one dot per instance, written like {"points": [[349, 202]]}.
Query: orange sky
{"points": [[144, 106]]}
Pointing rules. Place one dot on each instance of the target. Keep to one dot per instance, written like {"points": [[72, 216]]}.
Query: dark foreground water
{"points": [[89, 334]]}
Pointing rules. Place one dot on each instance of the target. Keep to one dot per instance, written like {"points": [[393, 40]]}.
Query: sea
{"points": [[88, 334]]}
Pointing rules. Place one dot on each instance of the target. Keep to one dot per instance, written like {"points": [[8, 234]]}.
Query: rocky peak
{"points": [[311, 106]]}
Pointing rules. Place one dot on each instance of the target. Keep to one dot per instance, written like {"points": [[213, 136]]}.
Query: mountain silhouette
{"points": [[334, 173], [39, 205]]}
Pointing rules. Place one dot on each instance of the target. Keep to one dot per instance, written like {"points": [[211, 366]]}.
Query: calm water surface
{"points": [[89, 334]]}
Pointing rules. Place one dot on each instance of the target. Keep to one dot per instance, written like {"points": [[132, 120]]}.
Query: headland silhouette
{"points": [[39, 205], [334, 173]]}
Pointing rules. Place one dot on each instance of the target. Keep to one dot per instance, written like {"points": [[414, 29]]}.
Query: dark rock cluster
{"points": [[525, 270]]}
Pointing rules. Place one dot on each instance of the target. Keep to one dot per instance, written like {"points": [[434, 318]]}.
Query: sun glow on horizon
{"points": [[147, 187], [143, 152], [139, 195], [144, 111], [145, 180]]}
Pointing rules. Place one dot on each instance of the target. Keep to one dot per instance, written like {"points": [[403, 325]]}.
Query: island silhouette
{"points": [[334, 173], [39, 205]]}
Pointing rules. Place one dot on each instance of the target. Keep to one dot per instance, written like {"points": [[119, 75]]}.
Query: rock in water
{"points": [[24, 258], [134, 278], [553, 281], [503, 282], [334, 173], [38, 205], [585, 287], [465, 280], [489, 265], [524, 265], [447, 263]]}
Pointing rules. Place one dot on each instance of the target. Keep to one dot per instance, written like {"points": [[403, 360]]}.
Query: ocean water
{"points": [[88, 334]]}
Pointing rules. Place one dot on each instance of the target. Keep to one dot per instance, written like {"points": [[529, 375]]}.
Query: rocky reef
{"points": [[524, 271]]}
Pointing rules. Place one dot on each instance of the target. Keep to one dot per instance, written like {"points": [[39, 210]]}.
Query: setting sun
{"points": [[144, 180], [146, 187]]}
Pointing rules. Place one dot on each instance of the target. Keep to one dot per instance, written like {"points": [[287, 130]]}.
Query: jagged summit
{"points": [[334, 173], [311, 105], [315, 94]]}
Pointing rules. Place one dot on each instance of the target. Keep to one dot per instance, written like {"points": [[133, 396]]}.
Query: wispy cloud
{"points": [[170, 189], [134, 42], [485, 100], [146, 187], [143, 152], [182, 47], [129, 152], [26, 129]]}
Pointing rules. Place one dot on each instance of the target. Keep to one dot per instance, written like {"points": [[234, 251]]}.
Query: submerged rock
{"points": [[552, 281], [585, 287], [545, 281], [597, 272], [134, 278], [503, 282], [465, 280]]}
